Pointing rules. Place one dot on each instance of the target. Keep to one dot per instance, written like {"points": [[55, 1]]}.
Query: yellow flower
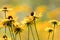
{"points": [[49, 29], [37, 14], [54, 22], [16, 24], [7, 38], [58, 23], [13, 16], [28, 19], [41, 9], [3, 21]]}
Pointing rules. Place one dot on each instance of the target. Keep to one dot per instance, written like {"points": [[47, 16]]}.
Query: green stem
{"points": [[5, 30], [49, 36], [32, 32], [19, 35], [36, 30], [5, 18], [53, 33], [28, 33], [10, 34]]}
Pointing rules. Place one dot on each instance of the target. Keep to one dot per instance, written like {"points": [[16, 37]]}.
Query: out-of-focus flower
{"points": [[59, 23], [14, 17], [32, 14], [37, 15], [54, 22], [41, 9], [3, 21], [17, 30], [6, 22], [5, 37], [10, 17], [49, 29], [16, 24], [28, 19]]}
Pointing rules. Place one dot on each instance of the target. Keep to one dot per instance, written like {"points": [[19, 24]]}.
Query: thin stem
{"points": [[28, 33], [19, 35], [32, 32], [49, 36], [5, 18], [5, 14], [53, 33], [15, 36], [36, 30], [5, 39], [5, 30], [10, 34]]}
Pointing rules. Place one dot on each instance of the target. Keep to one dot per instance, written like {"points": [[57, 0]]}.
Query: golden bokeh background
{"points": [[49, 9]]}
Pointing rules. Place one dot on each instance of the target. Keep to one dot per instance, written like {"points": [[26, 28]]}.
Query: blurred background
{"points": [[49, 9]]}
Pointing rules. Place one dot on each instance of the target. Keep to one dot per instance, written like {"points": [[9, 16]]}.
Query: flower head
{"points": [[16, 24], [59, 23], [54, 22], [10, 17], [7, 22], [3, 21], [28, 19], [5, 37], [5, 8], [32, 13], [17, 30], [37, 15], [49, 29]]}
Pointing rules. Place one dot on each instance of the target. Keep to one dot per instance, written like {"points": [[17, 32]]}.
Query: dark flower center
{"points": [[32, 13], [50, 30], [4, 36], [10, 17], [54, 22], [18, 30], [5, 8]]}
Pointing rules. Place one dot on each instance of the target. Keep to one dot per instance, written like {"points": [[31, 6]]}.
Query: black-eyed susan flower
{"points": [[18, 30], [28, 19], [54, 22], [5, 37], [34, 18], [48, 29], [35, 14]]}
